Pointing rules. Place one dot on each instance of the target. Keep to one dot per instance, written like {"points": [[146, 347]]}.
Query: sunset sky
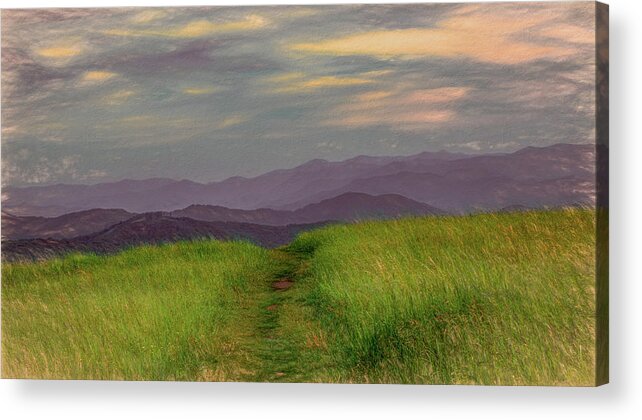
{"points": [[93, 95]]}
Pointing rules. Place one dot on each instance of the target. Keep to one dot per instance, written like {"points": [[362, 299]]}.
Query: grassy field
{"points": [[177, 311], [485, 299], [490, 299]]}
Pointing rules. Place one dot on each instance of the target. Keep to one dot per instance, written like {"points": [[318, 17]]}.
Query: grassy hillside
{"points": [[157, 313], [490, 299]]}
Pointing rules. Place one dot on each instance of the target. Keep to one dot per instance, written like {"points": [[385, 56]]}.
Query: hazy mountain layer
{"points": [[561, 174]]}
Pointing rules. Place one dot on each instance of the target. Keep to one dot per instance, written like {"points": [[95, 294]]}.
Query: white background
{"points": [[622, 398]]}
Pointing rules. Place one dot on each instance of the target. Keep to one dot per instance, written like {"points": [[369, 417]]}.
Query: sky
{"points": [[206, 93]]}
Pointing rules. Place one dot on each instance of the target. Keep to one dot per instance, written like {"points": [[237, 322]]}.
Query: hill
{"points": [[66, 226], [346, 207], [150, 228], [502, 299]]}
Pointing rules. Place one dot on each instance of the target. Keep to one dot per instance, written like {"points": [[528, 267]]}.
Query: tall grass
{"points": [[485, 299], [168, 312]]}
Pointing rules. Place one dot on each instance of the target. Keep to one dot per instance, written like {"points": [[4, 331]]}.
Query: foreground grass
{"points": [[174, 312], [485, 299]]}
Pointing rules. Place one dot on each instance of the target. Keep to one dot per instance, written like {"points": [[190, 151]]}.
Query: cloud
{"points": [[166, 61], [62, 51], [570, 33], [332, 81], [23, 78], [414, 98], [285, 77], [297, 82], [150, 122], [139, 119], [299, 12], [31, 16], [205, 54], [119, 97], [410, 120], [231, 121], [41, 170], [195, 29], [148, 15], [199, 90], [97, 76], [500, 35], [59, 52], [474, 145], [401, 109]]}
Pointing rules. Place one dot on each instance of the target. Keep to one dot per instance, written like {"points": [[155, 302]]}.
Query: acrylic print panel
{"points": [[411, 194]]}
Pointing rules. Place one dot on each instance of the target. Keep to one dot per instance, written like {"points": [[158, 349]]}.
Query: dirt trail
{"points": [[276, 354], [282, 284]]}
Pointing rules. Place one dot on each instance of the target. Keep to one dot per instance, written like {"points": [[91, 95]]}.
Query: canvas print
{"points": [[399, 194]]}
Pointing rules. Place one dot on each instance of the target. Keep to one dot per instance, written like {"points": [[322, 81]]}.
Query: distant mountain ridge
{"points": [[66, 226], [150, 228], [346, 207], [561, 174]]}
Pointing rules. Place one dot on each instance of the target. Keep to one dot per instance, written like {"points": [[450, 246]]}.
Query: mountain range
{"points": [[557, 175], [270, 209], [345, 208], [66, 226]]}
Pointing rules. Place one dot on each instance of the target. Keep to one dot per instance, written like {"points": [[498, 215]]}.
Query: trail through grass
{"points": [[485, 299], [288, 347]]}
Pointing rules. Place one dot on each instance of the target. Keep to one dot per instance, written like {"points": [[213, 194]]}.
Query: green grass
{"points": [[485, 299], [180, 311]]}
